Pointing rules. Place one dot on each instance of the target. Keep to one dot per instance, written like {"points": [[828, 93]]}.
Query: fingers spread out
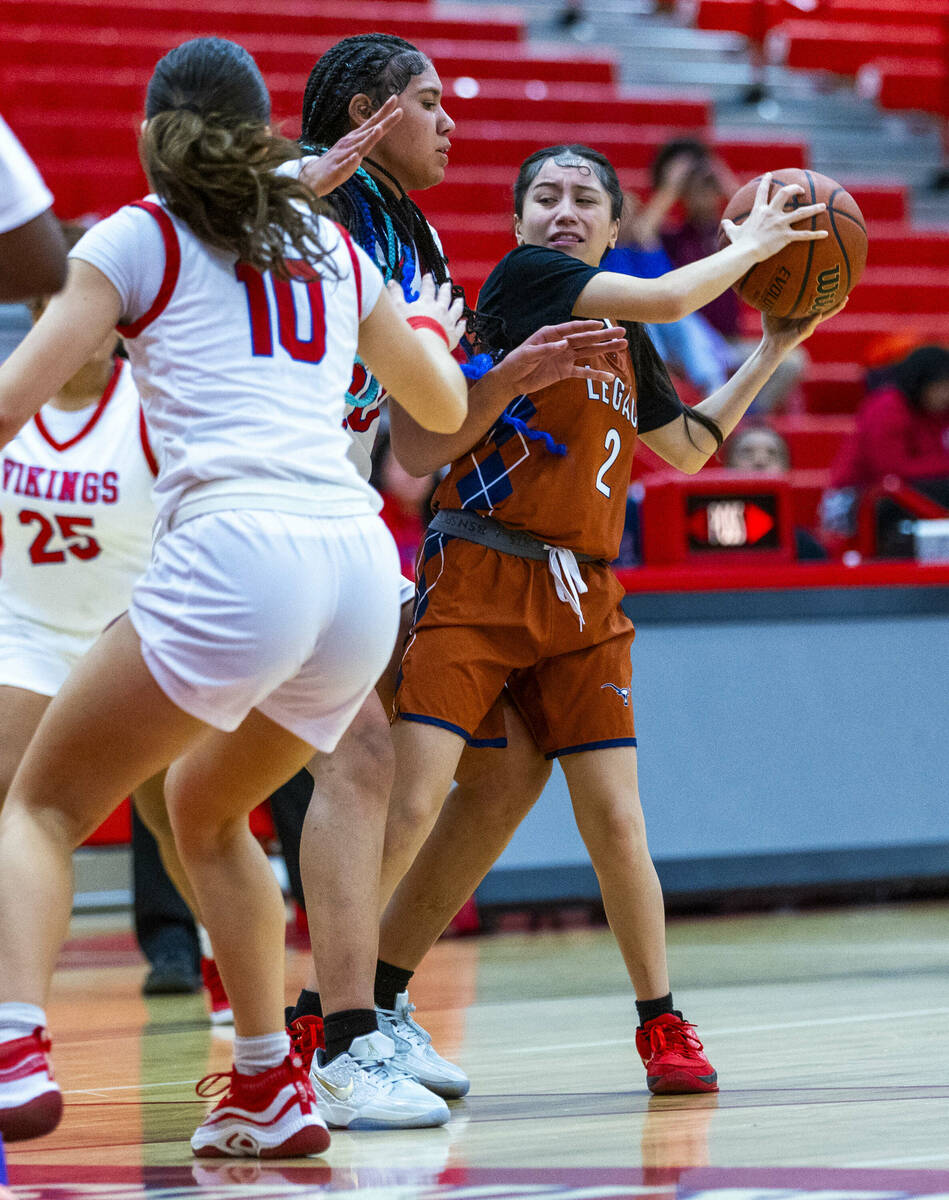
{"points": [[764, 186]]}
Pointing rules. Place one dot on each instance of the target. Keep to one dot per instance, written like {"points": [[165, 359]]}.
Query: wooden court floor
{"points": [[829, 1030]]}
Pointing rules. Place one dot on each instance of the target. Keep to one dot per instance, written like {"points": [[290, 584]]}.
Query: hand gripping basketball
{"points": [[817, 268]]}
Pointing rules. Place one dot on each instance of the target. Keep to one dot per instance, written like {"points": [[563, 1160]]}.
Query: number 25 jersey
{"points": [[77, 511]]}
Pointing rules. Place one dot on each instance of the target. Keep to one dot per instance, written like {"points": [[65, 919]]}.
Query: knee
{"points": [[612, 824], [364, 761]]}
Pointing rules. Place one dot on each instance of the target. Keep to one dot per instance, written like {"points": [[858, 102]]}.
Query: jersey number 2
{"points": [[307, 350], [612, 444], [79, 545]]}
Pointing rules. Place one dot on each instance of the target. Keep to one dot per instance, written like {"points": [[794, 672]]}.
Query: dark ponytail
{"points": [[210, 156]]}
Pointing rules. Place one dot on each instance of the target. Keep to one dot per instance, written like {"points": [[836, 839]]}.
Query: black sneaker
{"points": [[171, 977]]}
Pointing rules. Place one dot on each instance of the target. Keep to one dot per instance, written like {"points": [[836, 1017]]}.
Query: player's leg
{"points": [[494, 790], [210, 791], [20, 713], [426, 758], [604, 791], [109, 728]]}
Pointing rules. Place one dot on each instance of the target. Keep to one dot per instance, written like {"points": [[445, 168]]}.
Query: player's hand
{"points": [[552, 353], [433, 301], [768, 228], [784, 333], [344, 158]]}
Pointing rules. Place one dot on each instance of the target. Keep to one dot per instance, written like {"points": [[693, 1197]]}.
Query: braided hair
{"points": [[378, 65]]}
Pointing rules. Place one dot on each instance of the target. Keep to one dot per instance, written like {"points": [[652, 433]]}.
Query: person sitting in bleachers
{"points": [[687, 172], [902, 430], [759, 449]]}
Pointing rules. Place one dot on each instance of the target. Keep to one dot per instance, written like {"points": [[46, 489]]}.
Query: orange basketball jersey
{"points": [[557, 463]]}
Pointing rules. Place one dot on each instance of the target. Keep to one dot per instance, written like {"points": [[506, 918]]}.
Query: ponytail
{"points": [[211, 157]]}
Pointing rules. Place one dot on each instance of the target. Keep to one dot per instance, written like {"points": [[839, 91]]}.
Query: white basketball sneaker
{"points": [[363, 1088], [415, 1054]]}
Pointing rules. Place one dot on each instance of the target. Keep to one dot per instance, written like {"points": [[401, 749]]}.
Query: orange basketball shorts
{"points": [[487, 621]]}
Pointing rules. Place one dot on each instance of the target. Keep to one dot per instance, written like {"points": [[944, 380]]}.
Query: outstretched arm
{"points": [[670, 297], [72, 327], [547, 356], [687, 445]]}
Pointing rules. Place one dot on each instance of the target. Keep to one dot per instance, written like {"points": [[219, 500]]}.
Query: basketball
{"points": [[805, 277]]}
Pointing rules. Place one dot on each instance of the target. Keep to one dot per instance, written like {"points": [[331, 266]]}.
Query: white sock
{"points": [[204, 941], [19, 1020], [254, 1055]]}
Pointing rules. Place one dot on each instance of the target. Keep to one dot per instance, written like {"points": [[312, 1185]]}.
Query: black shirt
{"points": [[534, 286]]}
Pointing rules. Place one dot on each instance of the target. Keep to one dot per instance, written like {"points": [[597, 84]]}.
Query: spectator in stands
{"points": [[686, 171], [902, 430], [690, 346], [759, 450]]}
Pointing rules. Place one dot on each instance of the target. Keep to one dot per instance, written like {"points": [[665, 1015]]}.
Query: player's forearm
{"points": [[669, 297], [421, 452]]}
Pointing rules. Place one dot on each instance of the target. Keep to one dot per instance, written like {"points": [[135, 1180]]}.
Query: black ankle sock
{"points": [[307, 1005], [340, 1028], [647, 1010], [390, 981]]}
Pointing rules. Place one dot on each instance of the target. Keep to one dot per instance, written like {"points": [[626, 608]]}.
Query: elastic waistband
{"points": [[275, 496], [472, 527]]}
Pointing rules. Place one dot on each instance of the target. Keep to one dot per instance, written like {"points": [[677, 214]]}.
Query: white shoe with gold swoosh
{"points": [[364, 1089]]}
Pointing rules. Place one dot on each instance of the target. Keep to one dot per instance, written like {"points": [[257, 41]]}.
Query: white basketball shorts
{"points": [[295, 616], [35, 656]]}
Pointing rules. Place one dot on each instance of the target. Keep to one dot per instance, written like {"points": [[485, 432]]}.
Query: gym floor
{"points": [[829, 1030]]}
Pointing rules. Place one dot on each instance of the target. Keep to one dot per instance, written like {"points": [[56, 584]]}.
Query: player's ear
{"points": [[614, 233], [518, 236], [360, 110]]}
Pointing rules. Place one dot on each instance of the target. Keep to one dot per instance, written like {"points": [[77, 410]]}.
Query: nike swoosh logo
{"points": [[341, 1093]]}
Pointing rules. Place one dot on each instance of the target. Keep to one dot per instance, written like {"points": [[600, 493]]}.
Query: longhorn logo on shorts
{"points": [[623, 692]]}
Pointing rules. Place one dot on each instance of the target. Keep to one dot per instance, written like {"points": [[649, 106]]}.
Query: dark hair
{"points": [[378, 65], [210, 156], [489, 330], [677, 148], [916, 372], [563, 156]]}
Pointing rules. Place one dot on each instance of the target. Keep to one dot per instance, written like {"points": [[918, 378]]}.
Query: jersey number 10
{"points": [[307, 350]]}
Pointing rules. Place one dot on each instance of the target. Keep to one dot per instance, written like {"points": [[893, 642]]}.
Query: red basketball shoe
{"points": [[31, 1103], [272, 1115], [218, 1004], [306, 1037], [673, 1058]]}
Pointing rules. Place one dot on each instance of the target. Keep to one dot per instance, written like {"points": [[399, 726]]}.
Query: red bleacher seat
{"points": [[823, 45], [907, 83], [813, 441]]}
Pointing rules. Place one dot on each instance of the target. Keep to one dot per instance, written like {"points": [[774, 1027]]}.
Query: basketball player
{"points": [[270, 604], [514, 588], [375, 100]]}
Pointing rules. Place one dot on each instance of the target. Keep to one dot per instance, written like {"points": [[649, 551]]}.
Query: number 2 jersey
{"points": [[76, 511], [515, 474]]}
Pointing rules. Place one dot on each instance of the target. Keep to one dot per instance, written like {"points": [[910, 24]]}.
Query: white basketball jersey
{"points": [[242, 375], [76, 514]]}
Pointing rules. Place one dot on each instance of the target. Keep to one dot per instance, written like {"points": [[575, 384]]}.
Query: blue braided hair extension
{"points": [[534, 435]]}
